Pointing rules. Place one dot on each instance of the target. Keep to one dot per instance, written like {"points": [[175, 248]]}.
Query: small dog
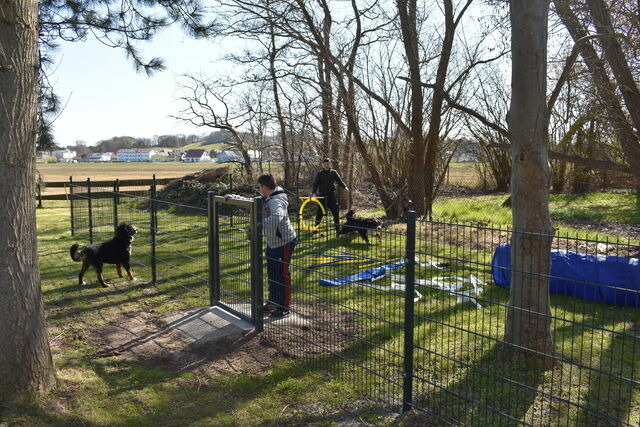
{"points": [[362, 226], [115, 251]]}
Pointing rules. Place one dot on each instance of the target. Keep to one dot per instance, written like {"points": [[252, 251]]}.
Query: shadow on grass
{"points": [[492, 391], [614, 384]]}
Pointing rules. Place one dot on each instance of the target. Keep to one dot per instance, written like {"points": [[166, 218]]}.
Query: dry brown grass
{"points": [[54, 172]]}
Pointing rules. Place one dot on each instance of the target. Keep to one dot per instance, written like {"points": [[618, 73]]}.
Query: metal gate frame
{"points": [[254, 206]]}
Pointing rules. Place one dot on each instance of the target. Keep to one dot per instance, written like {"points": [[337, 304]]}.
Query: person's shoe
{"points": [[268, 308], [280, 313]]}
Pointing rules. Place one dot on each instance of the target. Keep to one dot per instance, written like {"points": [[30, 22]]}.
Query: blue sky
{"points": [[106, 97]]}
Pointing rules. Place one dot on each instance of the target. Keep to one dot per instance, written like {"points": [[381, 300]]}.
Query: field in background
{"points": [[604, 212], [51, 172]]}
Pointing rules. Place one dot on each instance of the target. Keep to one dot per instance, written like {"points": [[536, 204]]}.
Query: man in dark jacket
{"points": [[325, 186]]}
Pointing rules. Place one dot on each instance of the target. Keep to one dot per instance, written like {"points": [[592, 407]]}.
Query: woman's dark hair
{"points": [[267, 180], [326, 160]]}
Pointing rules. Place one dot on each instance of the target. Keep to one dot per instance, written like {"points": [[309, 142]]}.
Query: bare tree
{"points": [[493, 100], [208, 104], [622, 123]]}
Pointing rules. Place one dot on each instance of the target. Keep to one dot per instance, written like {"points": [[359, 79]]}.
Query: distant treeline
{"points": [[165, 141]]}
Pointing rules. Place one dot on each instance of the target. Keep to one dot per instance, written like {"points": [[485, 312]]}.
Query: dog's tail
{"points": [[73, 251]]}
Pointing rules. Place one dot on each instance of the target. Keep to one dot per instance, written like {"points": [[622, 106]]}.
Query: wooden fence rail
{"points": [[122, 183]]}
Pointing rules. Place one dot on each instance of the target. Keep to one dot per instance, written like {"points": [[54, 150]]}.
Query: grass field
{"points": [[154, 380], [607, 207], [248, 384], [109, 171]]}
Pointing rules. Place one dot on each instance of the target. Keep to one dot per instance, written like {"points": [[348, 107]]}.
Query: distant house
{"points": [[254, 155], [464, 158], [228, 156], [197, 155], [134, 155], [100, 157], [64, 156], [177, 156]]}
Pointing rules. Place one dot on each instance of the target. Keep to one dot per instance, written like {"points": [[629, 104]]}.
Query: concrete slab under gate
{"points": [[211, 324], [207, 325]]}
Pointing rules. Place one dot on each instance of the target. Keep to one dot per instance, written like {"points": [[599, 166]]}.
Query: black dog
{"points": [[362, 226], [115, 251]]}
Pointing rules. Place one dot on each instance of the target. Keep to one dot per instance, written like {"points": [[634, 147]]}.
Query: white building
{"points": [[100, 157], [134, 155], [64, 156], [254, 155], [228, 156], [195, 156]]}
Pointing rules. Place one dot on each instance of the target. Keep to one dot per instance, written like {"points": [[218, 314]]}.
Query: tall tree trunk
{"points": [[26, 366], [433, 135], [286, 149], [324, 74], [528, 327], [408, 26]]}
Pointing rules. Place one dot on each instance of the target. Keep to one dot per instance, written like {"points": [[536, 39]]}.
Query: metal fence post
{"points": [[116, 189], [409, 305], [73, 232], [39, 187], [256, 264], [214, 255], [153, 230], [90, 210]]}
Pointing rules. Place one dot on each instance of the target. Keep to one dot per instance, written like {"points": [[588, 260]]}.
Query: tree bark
{"points": [[528, 327], [617, 60], [433, 135], [408, 26], [286, 150], [326, 92], [26, 366]]}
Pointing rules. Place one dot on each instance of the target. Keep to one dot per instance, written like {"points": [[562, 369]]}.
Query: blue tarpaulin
{"points": [[601, 278], [369, 274]]}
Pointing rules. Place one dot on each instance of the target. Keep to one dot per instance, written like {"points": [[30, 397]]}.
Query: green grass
{"points": [[609, 207], [202, 145], [451, 337], [115, 391]]}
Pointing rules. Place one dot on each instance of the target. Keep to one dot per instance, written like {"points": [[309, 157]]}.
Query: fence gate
{"points": [[235, 257]]}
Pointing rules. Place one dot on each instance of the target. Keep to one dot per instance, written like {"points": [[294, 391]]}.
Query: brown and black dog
{"points": [[362, 226], [115, 251]]}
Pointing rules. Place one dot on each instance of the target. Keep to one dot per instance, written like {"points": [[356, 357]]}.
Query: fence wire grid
{"points": [[423, 315]]}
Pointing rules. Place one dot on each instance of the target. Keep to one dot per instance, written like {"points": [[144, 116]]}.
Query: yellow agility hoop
{"points": [[307, 200]]}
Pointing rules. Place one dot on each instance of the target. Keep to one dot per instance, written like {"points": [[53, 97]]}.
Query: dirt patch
{"points": [[472, 238], [146, 338], [318, 328], [625, 231]]}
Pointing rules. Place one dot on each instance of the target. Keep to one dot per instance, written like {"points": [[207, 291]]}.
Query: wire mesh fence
{"points": [[235, 272], [350, 327], [170, 249], [443, 318], [563, 358]]}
